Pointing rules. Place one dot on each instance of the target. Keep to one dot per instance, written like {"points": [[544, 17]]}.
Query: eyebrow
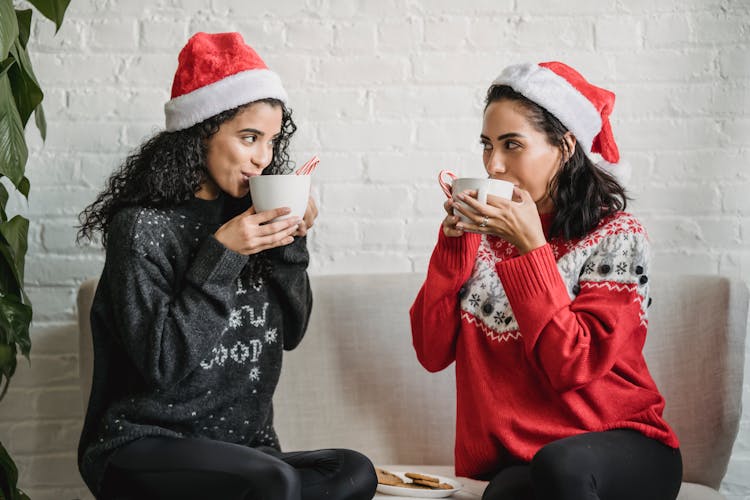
{"points": [[504, 136], [255, 131], [251, 131]]}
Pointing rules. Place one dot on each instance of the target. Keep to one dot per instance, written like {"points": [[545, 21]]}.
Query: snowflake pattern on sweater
{"points": [[612, 256]]}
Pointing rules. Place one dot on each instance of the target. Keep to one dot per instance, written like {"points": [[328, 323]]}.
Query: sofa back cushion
{"points": [[695, 351], [355, 382]]}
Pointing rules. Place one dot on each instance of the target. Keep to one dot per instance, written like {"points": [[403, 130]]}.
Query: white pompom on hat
{"points": [[582, 107], [217, 72]]}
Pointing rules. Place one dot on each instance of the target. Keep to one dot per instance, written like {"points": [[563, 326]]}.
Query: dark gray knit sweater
{"points": [[188, 335]]}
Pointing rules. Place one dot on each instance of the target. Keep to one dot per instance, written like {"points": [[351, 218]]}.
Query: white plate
{"points": [[417, 493]]}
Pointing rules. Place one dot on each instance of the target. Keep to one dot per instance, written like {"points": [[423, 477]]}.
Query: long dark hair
{"points": [[583, 194], [169, 168]]}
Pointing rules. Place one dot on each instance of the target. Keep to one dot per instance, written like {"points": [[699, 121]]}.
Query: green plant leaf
{"points": [[26, 90], [41, 121], [4, 195], [9, 478], [20, 495], [5, 65], [8, 364], [16, 231], [8, 280], [13, 150], [15, 318], [8, 27], [8, 469], [24, 186], [24, 25], [54, 10]]}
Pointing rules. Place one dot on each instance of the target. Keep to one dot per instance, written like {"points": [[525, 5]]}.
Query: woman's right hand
{"points": [[247, 234], [450, 221]]}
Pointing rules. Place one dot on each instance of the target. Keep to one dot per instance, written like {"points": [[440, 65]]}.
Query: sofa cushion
{"points": [[474, 489], [354, 382], [695, 351]]}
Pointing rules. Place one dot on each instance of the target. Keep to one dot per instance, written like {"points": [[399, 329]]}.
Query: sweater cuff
{"points": [[215, 262], [530, 276], [294, 253], [454, 257]]}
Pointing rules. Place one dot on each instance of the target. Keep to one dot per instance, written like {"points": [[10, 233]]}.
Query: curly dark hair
{"points": [[583, 194], [169, 168]]}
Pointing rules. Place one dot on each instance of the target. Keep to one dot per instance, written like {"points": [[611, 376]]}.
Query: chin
{"points": [[237, 190], [239, 195]]}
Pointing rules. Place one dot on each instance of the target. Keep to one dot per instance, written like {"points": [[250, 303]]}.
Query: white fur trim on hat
{"points": [[556, 95], [235, 90], [621, 170]]}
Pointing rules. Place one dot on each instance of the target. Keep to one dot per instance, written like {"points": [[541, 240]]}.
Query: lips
{"points": [[246, 177]]}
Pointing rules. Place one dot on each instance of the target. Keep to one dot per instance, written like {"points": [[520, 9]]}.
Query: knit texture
{"points": [[188, 335], [547, 344]]}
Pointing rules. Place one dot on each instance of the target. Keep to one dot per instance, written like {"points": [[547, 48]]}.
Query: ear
{"points": [[570, 141]]}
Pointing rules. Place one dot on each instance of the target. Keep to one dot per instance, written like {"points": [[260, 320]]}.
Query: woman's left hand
{"points": [[311, 213], [516, 221]]}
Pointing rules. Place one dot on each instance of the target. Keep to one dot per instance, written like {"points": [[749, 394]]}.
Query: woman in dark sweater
{"points": [[199, 297]]}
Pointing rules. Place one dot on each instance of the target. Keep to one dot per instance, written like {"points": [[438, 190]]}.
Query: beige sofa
{"points": [[355, 382]]}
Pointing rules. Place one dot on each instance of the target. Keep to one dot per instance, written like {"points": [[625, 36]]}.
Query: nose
{"points": [[495, 164], [262, 157]]}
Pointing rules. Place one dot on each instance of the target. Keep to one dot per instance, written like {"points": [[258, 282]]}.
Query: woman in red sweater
{"points": [[541, 302]]}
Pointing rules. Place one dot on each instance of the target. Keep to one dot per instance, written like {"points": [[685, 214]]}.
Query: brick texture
{"points": [[387, 93]]}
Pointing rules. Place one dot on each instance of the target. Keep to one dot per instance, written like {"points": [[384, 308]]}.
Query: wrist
{"points": [[222, 237], [531, 245]]}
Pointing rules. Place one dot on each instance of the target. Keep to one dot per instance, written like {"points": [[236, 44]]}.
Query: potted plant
{"points": [[20, 97]]}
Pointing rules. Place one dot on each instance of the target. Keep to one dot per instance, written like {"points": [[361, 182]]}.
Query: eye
{"points": [[512, 145], [250, 139], [486, 146]]}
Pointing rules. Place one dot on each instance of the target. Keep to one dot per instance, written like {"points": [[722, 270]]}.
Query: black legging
{"points": [[611, 465], [185, 469]]}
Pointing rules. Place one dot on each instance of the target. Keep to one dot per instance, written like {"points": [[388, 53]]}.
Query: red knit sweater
{"points": [[547, 344]]}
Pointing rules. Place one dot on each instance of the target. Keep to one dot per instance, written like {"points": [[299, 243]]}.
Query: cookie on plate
{"points": [[421, 477], [388, 478], [413, 486], [433, 485]]}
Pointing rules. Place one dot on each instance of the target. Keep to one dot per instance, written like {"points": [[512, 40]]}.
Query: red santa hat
{"points": [[217, 72], [582, 107]]}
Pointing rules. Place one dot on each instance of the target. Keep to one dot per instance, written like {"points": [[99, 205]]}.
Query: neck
{"points": [[546, 219], [208, 190], [545, 206]]}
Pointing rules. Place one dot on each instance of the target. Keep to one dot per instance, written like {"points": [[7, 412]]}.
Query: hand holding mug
{"points": [[311, 213], [450, 221], [516, 220], [478, 188], [250, 233]]}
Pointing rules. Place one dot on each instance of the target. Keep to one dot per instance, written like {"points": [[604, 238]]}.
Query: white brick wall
{"points": [[386, 92]]}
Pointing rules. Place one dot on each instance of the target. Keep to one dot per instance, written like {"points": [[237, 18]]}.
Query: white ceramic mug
{"points": [[482, 185], [275, 191]]}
